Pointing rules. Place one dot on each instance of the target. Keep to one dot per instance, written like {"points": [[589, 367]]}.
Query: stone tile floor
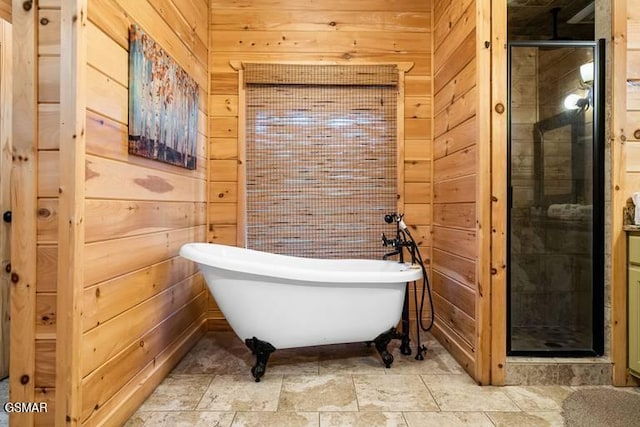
{"points": [[338, 385]]}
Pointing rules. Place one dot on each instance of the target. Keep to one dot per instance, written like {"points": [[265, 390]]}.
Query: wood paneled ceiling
{"points": [[533, 19]]}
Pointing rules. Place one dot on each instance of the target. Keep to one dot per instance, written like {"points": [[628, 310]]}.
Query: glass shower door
{"points": [[555, 169]]}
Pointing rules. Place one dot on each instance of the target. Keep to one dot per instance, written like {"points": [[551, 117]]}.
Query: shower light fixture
{"points": [[586, 74], [574, 101]]}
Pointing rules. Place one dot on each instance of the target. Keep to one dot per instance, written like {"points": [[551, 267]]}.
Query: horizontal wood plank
{"points": [[418, 149], [223, 213], [309, 5], [459, 190], [127, 399], [460, 110], [108, 259], [108, 179], [460, 269], [462, 296], [462, 136], [49, 31], [460, 163], [298, 41], [464, 52], [103, 383], [417, 171], [321, 20], [223, 148], [45, 364], [107, 340], [110, 219], [455, 241], [454, 318], [106, 55], [49, 79], [222, 234], [417, 192], [106, 300], [461, 215], [417, 213]]}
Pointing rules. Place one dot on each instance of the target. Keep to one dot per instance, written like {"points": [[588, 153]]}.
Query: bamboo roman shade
{"points": [[320, 158]]}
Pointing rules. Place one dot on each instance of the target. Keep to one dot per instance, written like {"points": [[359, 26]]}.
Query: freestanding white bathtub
{"points": [[277, 301]]}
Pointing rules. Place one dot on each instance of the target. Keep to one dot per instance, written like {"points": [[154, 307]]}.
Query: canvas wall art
{"points": [[163, 104]]}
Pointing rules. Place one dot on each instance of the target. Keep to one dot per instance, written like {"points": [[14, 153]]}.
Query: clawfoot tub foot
{"points": [[381, 343], [262, 350]]}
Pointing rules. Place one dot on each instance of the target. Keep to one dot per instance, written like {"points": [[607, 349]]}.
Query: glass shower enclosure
{"points": [[556, 199]]}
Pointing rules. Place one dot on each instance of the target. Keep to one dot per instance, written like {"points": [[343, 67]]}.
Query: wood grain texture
{"points": [[108, 339], [460, 170], [23, 201], [126, 400], [621, 188], [6, 87], [301, 31], [483, 110], [106, 381], [498, 193], [71, 213], [138, 213]]}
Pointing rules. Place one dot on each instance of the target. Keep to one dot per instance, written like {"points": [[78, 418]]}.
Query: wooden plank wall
{"points": [[142, 305], [48, 65], [335, 30], [455, 179]]}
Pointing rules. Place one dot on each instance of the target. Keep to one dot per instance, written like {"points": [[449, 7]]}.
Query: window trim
{"points": [[403, 68]]}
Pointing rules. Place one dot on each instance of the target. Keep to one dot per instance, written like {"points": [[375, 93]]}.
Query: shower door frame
{"points": [[598, 183]]}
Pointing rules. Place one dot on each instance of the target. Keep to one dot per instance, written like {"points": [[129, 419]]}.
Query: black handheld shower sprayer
{"points": [[403, 239]]}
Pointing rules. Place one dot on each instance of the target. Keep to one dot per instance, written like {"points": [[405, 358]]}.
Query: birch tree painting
{"points": [[163, 104]]}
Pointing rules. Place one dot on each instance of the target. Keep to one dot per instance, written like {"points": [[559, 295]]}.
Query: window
{"points": [[321, 158]]}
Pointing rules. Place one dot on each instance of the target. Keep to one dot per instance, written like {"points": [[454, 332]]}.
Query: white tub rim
{"points": [[234, 258]]}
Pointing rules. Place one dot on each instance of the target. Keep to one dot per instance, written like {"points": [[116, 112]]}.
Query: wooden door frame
{"points": [[498, 317], [617, 274], [5, 190]]}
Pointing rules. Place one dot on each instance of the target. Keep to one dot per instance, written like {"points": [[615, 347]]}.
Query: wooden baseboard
{"points": [[446, 337], [124, 403], [218, 325]]}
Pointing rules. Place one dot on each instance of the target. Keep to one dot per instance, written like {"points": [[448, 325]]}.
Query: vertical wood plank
{"points": [[5, 190], [71, 211], [498, 191], [431, 151], [400, 142], [241, 227], [24, 205], [483, 193], [618, 193]]}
